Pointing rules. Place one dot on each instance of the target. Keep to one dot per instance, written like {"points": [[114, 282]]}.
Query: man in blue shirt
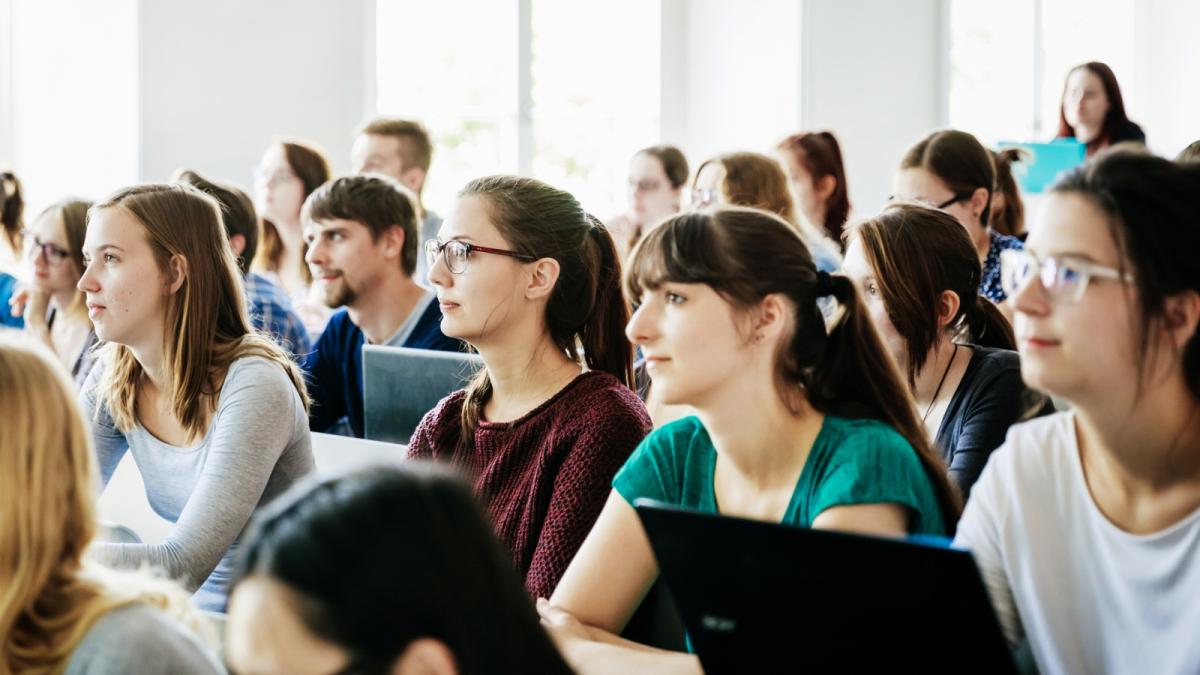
{"points": [[362, 249]]}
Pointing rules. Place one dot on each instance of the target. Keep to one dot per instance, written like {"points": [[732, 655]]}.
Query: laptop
{"points": [[400, 385], [764, 597], [1045, 163]]}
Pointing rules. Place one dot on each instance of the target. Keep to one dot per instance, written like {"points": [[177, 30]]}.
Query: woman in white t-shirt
{"points": [[1086, 524]]}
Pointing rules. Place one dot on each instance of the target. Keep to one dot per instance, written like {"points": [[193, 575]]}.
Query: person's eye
{"points": [[110, 258], [336, 236], [872, 289], [674, 298]]}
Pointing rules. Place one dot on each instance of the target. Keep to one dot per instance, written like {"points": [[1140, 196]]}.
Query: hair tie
{"points": [[824, 284]]}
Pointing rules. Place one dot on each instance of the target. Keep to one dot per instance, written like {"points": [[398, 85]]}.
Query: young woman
{"points": [[657, 176], [1092, 109], [918, 275], [59, 613], [214, 414], [818, 178], [433, 592], [1008, 209], [55, 311], [950, 170], [794, 424], [754, 180], [1086, 524], [12, 207], [532, 282]]}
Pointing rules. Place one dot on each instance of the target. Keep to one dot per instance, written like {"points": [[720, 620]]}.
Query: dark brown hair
{"points": [[377, 202], [673, 162], [311, 166], [916, 253], [1116, 118], [746, 254], [959, 160], [12, 207], [1009, 219], [586, 312], [416, 150], [821, 155], [237, 212]]}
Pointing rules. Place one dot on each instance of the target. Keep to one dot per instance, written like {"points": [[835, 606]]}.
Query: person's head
{"points": [[289, 172], [1008, 210], [1092, 108], [12, 208], [394, 147], [237, 214], [54, 246], [657, 176], [1113, 312], [49, 596], [434, 592], [744, 179], [1189, 154], [360, 230], [728, 300], [161, 279], [951, 170], [818, 178], [919, 276]]}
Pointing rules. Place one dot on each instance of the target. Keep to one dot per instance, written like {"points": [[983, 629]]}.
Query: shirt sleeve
{"points": [[998, 402], [252, 428], [111, 443], [874, 466], [654, 471], [325, 374]]}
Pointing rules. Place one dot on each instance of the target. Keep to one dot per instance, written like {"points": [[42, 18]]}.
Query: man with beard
{"points": [[362, 251]]}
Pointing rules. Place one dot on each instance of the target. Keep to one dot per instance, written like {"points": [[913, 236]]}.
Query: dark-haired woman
{"points": [[1092, 109], [817, 175], [918, 275], [657, 177], [1008, 209], [433, 593], [1086, 524], [532, 282], [794, 424], [12, 210]]}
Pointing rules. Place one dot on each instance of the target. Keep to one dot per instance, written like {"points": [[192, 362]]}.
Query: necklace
{"points": [[940, 383]]}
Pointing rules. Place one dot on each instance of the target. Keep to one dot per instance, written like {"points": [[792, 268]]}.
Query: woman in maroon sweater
{"points": [[532, 282]]}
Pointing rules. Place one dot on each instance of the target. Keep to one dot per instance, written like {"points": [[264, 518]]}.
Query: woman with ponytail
{"points": [[918, 275], [532, 282], [795, 422], [1008, 209]]}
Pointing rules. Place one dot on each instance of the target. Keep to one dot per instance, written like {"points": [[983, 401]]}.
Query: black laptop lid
{"points": [[766, 597]]}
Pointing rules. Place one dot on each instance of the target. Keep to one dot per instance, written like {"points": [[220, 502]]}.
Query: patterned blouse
{"points": [[989, 286]]}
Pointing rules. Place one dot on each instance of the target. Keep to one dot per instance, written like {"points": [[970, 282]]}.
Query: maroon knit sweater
{"points": [[543, 478]]}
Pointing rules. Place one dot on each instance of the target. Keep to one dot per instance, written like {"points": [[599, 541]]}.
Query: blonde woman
{"points": [[214, 414], [58, 613]]}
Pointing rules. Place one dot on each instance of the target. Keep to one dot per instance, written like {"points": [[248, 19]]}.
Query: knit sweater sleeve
{"points": [[611, 428], [436, 437]]}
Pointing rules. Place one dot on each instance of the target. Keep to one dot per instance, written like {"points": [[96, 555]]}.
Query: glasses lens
{"points": [[1066, 279], [431, 251], [1015, 268], [456, 256]]}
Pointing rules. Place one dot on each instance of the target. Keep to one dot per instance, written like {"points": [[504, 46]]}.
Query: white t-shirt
{"points": [[1090, 597]]}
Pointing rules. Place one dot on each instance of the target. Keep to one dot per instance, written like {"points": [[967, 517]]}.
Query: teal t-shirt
{"points": [[852, 461]]}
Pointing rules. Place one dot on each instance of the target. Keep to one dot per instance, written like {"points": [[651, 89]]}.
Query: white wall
{"points": [[1167, 63], [221, 78]]}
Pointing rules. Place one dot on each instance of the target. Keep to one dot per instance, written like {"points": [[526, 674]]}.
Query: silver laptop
{"points": [[400, 385]]}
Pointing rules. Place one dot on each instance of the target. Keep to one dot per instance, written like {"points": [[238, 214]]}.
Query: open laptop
{"points": [[1045, 163], [400, 385], [766, 597]]}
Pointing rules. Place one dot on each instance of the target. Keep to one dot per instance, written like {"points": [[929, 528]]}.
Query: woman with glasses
{"points": [[54, 309], [1086, 524], [952, 171], [657, 177], [532, 282], [919, 277]]}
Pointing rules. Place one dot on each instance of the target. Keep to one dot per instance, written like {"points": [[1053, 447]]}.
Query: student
{"points": [[1008, 209], [950, 170], [214, 414], [918, 273], [818, 179], [402, 150], [532, 282], [362, 247], [1086, 524], [755, 180], [1092, 110], [58, 612], [12, 207], [54, 309], [794, 424], [270, 309], [433, 593], [657, 177]]}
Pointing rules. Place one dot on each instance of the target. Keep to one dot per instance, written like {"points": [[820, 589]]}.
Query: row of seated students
{"points": [[730, 320]]}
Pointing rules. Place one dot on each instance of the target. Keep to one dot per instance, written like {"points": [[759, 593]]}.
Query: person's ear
{"points": [[543, 275], [413, 178], [824, 186], [238, 243], [1182, 313], [176, 273], [979, 201], [948, 304], [393, 241], [426, 656], [770, 318]]}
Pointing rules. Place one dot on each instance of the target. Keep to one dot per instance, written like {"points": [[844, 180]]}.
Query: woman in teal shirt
{"points": [[796, 422]]}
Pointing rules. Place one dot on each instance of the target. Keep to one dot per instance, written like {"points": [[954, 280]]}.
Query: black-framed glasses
{"points": [[456, 253], [1064, 278], [53, 253], [955, 199]]}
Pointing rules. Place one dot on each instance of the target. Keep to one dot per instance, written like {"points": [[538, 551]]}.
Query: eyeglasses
{"points": [[53, 253], [955, 199], [456, 253], [645, 185], [705, 197], [921, 200], [1064, 278]]}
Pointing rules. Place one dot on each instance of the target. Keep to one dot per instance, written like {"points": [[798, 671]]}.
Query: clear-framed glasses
{"points": [[456, 253], [1064, 278], [705, 197], [53, 253]]}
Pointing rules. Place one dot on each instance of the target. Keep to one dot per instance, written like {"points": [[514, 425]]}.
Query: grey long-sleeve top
{"points": [[138, 638], [257, 445]]}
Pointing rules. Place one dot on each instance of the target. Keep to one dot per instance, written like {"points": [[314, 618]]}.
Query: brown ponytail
{"points": [[1009, 219], [12, 208]]}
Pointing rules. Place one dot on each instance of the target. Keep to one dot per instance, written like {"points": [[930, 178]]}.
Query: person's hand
{"points": [[36, 305], [563, 628], [16, 302]]}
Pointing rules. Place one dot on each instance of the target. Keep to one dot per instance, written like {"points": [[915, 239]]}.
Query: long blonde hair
{"points": [[49, 597], [207, 326]]}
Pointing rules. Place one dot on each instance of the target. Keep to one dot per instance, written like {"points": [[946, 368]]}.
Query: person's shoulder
{"points": [[604, 395], [1003, 242], [1036, 452], [990, 364], [862, 442], [139, 638]]}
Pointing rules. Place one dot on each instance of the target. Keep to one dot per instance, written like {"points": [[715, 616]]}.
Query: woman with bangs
{"points": [[58, 612], [795, 423], [214, 414]]}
